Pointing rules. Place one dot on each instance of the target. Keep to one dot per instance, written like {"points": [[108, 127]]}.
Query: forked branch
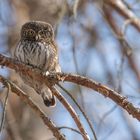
{"points": [[39, 112], [50, 82], [52, 79]]}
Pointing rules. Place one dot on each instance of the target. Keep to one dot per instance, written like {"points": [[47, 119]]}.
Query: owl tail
{"points": [[47, 96]]}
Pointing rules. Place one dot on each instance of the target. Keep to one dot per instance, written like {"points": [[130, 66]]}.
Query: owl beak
{"points": [[37, 37]]}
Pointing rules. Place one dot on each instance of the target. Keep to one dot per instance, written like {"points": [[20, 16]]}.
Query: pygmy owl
{"points": [[38, 49]]}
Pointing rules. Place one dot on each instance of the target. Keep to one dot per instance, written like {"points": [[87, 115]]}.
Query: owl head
{"points": [[37, 31]]}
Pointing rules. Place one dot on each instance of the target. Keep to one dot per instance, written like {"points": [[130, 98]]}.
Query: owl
{"points": [[37, 49]]}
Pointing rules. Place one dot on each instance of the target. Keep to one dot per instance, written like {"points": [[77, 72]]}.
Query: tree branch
{"points": [[104, 90], [71, 111], [121, 8], [39, 112], [55, 78], [48, 80]]}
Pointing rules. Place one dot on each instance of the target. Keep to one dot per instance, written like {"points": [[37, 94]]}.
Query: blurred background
{"points": [[94, 40]]}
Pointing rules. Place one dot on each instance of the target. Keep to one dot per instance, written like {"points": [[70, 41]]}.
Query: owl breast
{"points": [[37, 54]]}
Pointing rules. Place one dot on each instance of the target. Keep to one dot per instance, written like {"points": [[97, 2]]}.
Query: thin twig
{"points": [[121, 8], [86, 117], [76, 67], [104, 116], [70, 128], [124, 45], [71, 111]]}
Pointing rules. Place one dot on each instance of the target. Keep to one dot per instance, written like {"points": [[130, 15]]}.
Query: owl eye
{"points": [[42, 33], [30, 32], [45, 34]]}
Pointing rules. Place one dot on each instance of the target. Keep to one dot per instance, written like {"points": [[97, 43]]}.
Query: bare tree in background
{"points": [[96, 39]]}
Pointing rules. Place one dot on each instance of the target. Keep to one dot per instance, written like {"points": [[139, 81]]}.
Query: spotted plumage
{"points": [[37, 49]]}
